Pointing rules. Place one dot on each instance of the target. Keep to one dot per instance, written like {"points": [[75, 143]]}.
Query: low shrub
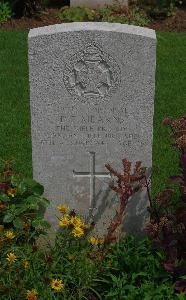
{"points": [[5, 12], [76, 14], [79, 266], [28, 8], [117, 14], [167, 227], [158, 9], [134, 270], [21, 205]]}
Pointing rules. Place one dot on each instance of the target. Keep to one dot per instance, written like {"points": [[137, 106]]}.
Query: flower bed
{"points": [[82, 266]]}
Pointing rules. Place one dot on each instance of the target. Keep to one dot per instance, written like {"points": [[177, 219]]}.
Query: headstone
{"points": [[95, 3], [92, 102]]}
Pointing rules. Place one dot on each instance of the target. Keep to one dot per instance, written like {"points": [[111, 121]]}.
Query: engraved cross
{"points": [[92, 175]]}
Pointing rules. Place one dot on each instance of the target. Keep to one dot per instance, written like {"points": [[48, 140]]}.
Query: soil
{"points": [[176, 23]]}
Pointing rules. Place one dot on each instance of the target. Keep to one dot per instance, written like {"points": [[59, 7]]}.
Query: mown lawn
{"points": [[15, 135]]}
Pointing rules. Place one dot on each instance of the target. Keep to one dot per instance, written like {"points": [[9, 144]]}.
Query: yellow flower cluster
{"points": [[75, 222], [94, 241], [11, 257], [56, 284], [9, 234]]}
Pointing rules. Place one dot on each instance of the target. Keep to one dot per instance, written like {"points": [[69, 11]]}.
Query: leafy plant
{"points": [[127, 184], [76, 14], [167, 227], [158, 9], [21, 202], [122, 14], [79, 267], [67, 270], [27, 8], [5, 12], [82, 266], [112, 13], [133, 270]]}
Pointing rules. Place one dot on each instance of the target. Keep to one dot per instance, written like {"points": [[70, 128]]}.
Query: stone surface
{"points": [[94, 3], [92, 102]]}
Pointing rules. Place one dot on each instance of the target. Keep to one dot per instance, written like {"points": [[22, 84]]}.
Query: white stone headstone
{"points": [[94, 3], [92, 102]]}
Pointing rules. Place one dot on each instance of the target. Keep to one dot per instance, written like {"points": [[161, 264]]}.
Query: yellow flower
{"points": [[9, 234], [25, 263], [63, 208], [57, 284], [94, 241], [12, 192], [11, 257], [31, 295], [76, 222], [77, 232], [65, 221]]}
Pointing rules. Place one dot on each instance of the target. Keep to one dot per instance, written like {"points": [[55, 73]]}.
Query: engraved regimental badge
{"points": [[91, 75]]}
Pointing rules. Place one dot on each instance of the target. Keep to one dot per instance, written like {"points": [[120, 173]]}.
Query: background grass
{"points": [[15, 134]]}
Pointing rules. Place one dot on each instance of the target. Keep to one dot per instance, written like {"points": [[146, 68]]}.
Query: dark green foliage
{"points": [[27, 8], [168, 217], [5, 12], [158, 9], [133, 270], [21, 203]]}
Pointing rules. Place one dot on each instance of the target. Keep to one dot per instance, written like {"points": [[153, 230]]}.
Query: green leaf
{"points": [[21, 188], [12, 208], [95, 292], [134, 276], [15, 180], [44, 202], [8, 218], [4, 197], [21, 209], [35, 201], [40, 222], [17, 223], [33, 206], [35, 187], [32, 200]]}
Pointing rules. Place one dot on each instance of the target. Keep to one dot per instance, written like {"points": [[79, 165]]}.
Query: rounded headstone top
{"points": [[92, 26]]}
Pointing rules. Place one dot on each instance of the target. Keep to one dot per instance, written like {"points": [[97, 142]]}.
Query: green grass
{"points": [[170, 101], [15, 135]]}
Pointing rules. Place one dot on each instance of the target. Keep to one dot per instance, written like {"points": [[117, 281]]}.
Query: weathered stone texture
{"points": [[92, 102]]}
